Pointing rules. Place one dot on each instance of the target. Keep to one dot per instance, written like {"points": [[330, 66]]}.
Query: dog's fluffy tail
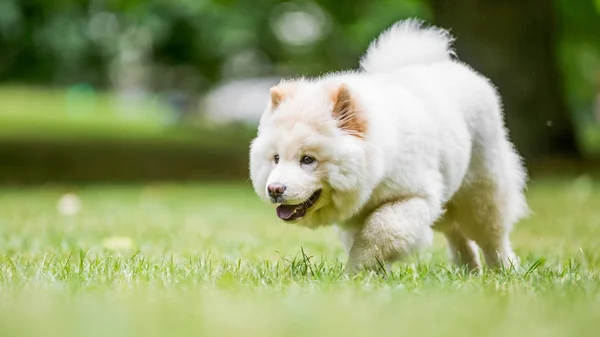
{"points": [[407, 42]]}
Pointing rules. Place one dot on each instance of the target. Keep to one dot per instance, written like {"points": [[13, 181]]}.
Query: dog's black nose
{"points": [[276, 190]]}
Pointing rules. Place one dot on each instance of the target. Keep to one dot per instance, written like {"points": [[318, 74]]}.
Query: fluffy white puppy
{"points": [[412, 141]]}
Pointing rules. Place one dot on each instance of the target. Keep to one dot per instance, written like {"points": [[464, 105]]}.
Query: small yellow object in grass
{"points": [[69, 204], [117, 243]]}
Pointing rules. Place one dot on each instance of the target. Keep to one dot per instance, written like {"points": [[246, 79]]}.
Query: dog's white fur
{"points": [[434, 153]]}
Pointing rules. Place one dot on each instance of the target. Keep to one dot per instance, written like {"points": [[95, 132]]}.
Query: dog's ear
{"points": [[347, 113], [284, 91], [277, 96]]}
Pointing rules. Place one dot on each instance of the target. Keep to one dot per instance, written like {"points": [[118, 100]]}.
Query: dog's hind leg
{"points": [[463, 252], [483, 216]]}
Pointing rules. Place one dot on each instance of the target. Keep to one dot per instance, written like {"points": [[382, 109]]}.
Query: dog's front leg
{"points": [[391, 232]]}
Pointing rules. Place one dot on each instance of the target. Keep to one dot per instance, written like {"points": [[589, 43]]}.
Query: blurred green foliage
{"points": [[69, 41], [193, 44], [579, 51]]}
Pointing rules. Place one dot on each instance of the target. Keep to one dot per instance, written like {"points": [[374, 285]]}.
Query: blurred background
{"points": [[135, 90]]}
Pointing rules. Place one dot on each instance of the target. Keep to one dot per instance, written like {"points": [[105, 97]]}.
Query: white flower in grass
{"points": [[69, 204]]}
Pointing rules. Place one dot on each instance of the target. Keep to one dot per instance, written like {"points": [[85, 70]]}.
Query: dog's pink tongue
{"points": [[285, 212]]}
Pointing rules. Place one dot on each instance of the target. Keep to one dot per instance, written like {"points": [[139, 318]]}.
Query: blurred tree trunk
{"points": [[513, 42]]}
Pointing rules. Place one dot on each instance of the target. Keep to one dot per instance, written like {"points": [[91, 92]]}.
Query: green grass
{"points": [[28, 113], [40, 112], [211, 260]]}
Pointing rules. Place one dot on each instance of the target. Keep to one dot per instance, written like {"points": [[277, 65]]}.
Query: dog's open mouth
{"points": [[294, 212]]}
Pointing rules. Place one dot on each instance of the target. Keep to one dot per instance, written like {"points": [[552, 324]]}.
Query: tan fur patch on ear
{"points": [[282, 91], [348, 114], [277, 97]]}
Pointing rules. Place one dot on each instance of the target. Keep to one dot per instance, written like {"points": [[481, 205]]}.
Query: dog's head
{"points": [[309, 158]]}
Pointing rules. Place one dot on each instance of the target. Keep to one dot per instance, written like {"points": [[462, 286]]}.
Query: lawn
{"points": [[32, 113], [40, 112], [211, 260], [71, 134]]}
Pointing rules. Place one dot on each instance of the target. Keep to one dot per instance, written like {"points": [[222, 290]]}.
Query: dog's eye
{"points": [[276, 158], [307, 160]]}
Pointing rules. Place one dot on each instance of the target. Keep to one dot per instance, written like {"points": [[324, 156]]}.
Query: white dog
{"points": [[414, 140]]}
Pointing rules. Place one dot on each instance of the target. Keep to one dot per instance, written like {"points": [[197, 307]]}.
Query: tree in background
{"points": [[514, 42]]}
